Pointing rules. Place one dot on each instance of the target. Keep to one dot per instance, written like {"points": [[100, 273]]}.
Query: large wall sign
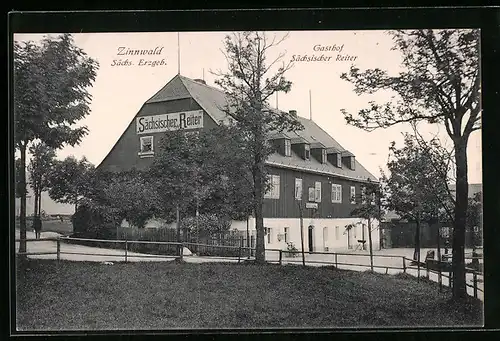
{"points": [[168, 122]]}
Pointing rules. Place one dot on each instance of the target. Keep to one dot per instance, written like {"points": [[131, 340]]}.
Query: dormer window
{"points": [[288, 147], [353, 163], [323, 156], [339, 160], [307, 152]]}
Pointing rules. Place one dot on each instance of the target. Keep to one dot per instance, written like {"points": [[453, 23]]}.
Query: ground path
{"points": [[94, 254]]}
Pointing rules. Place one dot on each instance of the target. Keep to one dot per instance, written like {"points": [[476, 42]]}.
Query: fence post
{"points": [[451, 279], [427, 269], [281, 257], [474, 278], [336, 261], [58, 249], [126, 251], [182, 251], [239, 254], [404, 265]]}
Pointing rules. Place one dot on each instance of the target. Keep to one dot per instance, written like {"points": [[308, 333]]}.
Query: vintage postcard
{"points": [[260, 179]]}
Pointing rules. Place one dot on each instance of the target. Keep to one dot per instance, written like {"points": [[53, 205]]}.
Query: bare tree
{"points": [[248, 84]]}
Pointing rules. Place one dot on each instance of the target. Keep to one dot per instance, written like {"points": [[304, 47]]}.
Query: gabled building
{"points": [[307, 164]]}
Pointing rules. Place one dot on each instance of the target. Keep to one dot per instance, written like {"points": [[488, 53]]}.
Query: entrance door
{"points": [[310, 238]]}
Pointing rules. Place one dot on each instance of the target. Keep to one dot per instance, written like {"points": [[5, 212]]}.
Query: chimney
{"points": [[293, 113], [200, 81]]}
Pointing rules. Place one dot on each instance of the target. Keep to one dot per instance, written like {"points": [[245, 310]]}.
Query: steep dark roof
{"points": [[214, 102]]}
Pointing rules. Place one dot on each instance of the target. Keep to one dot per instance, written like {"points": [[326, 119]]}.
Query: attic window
{"points": [[307, 152], [339, 160], [288, 147], [353, 163], [323, 156]]}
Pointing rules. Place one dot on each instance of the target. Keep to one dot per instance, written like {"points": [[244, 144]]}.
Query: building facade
{"points": [[310, 172]]}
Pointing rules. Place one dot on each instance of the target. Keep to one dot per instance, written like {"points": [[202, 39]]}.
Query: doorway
{"points": [[310, 237]]}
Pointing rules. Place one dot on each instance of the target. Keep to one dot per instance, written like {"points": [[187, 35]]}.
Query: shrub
{"points": [[291, 250]]}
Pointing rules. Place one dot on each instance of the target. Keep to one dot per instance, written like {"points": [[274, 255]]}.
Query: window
{"points": [[353, 195], [323, 156], [274, 191], [269, 231], [146, 146], [286, 234], [336, 193], [363, 195], [307, 152], [339, 160], [337, 230], [298, 189], [353, 163], [288, 148], [311, 194], [317, 191]]}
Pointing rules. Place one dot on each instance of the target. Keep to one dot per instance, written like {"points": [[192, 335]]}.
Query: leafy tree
{"points": [[226, 173], [370, 208], [43, 158], [132, 196], [248, 84], [51, 79], [417, 188], [203, 172], [69, 180], [439, 84]]}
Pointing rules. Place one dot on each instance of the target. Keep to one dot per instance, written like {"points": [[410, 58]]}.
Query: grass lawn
{"points": [[141, 296]]}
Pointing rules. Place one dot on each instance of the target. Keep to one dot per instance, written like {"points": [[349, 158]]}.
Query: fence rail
{"points": [[240, 252]]}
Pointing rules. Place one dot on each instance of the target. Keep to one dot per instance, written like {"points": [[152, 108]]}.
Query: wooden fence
{"points": [[241, 252]]}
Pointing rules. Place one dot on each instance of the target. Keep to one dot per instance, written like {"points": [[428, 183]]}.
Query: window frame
{"points": [[285, 233], [274, 191], [269, 231], [353, 195], [141, 146], [288, 147], [298, 181], [338, 191], [307, 152], [317, 191], [323, 156]]}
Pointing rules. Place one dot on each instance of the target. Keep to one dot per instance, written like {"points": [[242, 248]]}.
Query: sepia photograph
{"points": [[248, 180]]}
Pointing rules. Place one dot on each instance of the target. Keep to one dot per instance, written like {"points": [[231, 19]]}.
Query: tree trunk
{"points": [[438, 235], [40, 198], [363, 245], [22, 211], [416, 254], [370, 242], [35, 207], [260, 252], [461, 203], [417, 247]]}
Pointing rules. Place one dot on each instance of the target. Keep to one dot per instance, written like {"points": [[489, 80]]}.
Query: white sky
{"points": [[119, 91]]}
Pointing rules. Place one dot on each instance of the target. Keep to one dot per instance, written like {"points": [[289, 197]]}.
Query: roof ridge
{"points": [[163, 87], [201, 84]]}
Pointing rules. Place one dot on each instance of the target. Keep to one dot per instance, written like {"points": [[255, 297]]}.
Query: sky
{"points": [[119, 91]]}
